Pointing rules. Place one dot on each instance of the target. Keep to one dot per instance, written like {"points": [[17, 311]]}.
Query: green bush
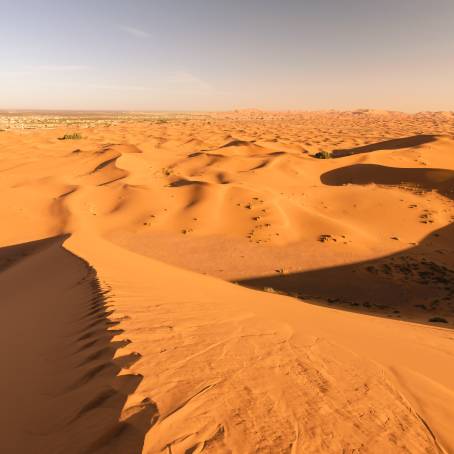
{"points": [[323, 155], [75, 136]]}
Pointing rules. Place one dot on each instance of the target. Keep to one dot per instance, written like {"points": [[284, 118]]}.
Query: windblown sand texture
{"points": [[133, 265]]}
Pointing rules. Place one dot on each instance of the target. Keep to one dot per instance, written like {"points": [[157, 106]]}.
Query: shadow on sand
{"points": [[440, 180], [58, 312], [393, 144]]}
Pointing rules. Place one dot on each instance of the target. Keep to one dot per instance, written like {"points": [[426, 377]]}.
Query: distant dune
{"points": [[206, 284]]}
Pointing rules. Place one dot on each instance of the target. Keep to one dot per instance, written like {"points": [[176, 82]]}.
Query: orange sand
{"points": [[125, 263]]}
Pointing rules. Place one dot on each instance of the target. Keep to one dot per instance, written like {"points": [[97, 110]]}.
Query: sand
{"points": [[207, 285]]}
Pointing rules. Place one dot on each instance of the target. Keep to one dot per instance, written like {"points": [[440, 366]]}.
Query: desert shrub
{"points": [[74, 136], [323, 155]]}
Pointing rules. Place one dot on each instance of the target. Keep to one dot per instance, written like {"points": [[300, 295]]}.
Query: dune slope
{"points": [[60, 388]]}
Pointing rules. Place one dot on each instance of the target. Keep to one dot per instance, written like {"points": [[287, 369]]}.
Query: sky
{"points": [[227, 54]]}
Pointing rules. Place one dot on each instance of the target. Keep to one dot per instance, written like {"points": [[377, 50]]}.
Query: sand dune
{"points": [[61, 389], [126, 265]]}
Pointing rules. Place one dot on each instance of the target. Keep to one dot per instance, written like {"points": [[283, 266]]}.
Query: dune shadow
{"points": [[416, 284], [440, 180], [407, 285], [9, 255], [184, 182], [81, 355], [237, 143], [393, 144]]}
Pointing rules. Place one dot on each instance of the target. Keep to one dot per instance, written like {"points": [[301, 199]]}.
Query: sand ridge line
{"points": [[262, 374], [63, 348]]}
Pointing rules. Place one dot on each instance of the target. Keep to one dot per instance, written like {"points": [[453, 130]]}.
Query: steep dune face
{"points": [[61, 391], [123, 352]]}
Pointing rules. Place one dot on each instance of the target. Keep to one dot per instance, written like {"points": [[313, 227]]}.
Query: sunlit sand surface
{"points": [[204, 283]]}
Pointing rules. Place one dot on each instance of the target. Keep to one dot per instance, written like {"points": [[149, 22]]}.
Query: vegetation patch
{"points": [[75, 136], [323, 155]]}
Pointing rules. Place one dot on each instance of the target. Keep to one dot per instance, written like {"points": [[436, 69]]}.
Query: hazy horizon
{"points": [[200, 55]]}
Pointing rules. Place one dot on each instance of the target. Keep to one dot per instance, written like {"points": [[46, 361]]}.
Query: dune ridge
{"points": [[67, 393]]}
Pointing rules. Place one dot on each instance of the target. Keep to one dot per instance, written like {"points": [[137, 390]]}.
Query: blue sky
{"points": [[223, 54]]}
